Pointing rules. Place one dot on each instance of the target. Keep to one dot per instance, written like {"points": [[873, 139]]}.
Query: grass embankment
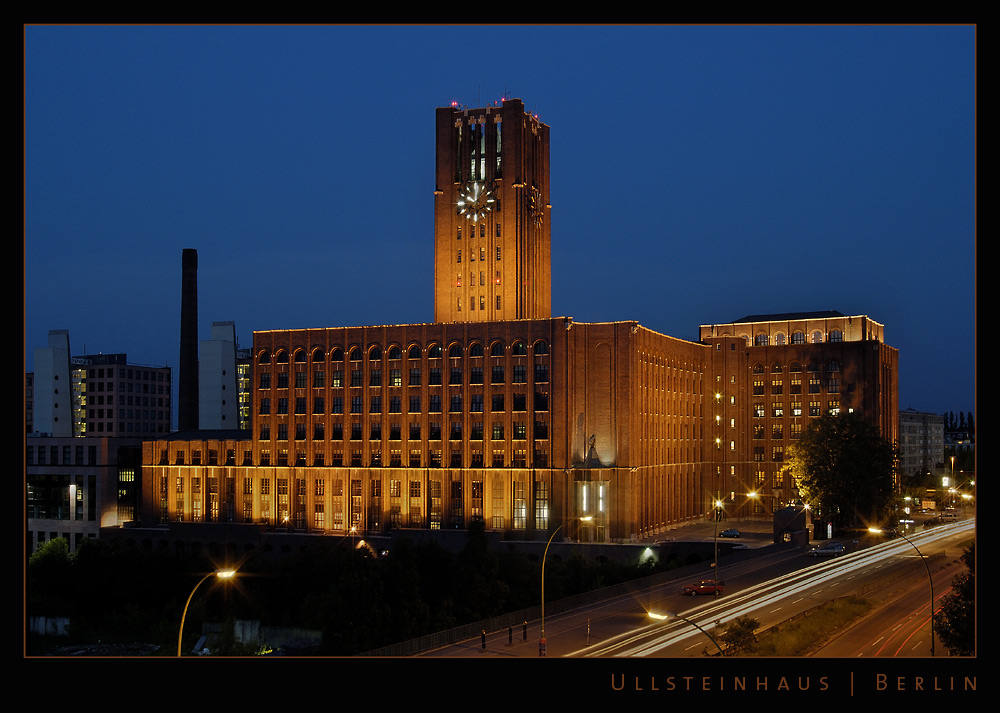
{"points": [[800, 636]]}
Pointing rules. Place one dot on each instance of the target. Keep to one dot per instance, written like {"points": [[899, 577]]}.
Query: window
{"points": [[414, 377]]}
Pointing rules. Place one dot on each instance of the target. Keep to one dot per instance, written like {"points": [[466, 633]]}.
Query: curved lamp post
{"points": [[678, 616], [541, 640], [923, 559], [221, 574]]}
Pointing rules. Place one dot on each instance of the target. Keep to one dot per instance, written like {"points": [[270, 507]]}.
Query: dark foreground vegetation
{"points": [[359, 602]]}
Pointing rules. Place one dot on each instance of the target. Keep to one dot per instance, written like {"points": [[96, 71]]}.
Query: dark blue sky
{"points": [[699, 174]]}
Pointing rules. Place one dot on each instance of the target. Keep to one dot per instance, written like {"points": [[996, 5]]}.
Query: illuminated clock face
{"points": [[475, 201]]}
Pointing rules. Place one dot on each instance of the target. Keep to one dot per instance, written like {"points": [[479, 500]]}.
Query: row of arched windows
{"points": [[374, 352], [816, 337]]}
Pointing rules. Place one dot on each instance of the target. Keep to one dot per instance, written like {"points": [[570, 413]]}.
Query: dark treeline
{"points": [[358, 601]]}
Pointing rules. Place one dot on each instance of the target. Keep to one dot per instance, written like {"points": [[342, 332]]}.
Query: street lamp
{"points": [[223, 574], [652, 615], [923, 559], [541, 640], [716, 516]]}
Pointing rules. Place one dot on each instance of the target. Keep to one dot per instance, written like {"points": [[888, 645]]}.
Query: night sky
{"points": [[699, 174]]}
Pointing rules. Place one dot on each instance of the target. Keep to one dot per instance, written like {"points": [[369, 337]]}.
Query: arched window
{"points": [[264, 357], [518, 348], [375, 353], [779, 338], [541, 347], [760, 340], [817, 337], [434, 351], [395, 352], [836, 335], [355, 354], [496, 349], [337, 354], [776, 368], [795, 368], [834, 365], [798, 338], [281, 357], [758, 368], [475, 349], [414, 352], [455, 350], [317, 354]]}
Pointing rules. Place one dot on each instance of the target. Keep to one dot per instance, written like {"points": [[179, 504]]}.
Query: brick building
{"points": [[505, 413]]}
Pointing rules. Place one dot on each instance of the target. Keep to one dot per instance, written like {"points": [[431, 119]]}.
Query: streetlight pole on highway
{"points": [[541, 640], [223, 574], [927, 568]]}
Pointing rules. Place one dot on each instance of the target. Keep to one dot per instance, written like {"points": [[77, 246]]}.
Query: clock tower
{"points": [[492, 233]]}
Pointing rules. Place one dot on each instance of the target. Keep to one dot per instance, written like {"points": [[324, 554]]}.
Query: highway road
{"points": [[772, 588]]}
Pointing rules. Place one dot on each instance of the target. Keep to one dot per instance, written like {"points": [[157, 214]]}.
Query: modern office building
{"points": [[112, 397], [921, 442], [75, 486], [96, 394], [499, 411], [218, 385]]}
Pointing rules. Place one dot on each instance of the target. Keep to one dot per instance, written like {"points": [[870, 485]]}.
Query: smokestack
{"points": [[187, 409]]}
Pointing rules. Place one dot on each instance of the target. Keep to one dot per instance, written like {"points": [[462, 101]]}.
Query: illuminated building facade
{"points": [[492, 228], [798, 366], [499, 411], [523, 423]]}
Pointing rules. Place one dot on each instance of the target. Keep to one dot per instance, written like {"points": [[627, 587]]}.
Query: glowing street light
{"points": [[223, 574], [541, 640]]}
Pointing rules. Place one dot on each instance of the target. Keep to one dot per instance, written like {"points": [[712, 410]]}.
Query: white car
{"points": [[830, 548]]}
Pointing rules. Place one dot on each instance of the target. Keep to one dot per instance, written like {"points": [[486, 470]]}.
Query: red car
{"points": [[705, 586]]}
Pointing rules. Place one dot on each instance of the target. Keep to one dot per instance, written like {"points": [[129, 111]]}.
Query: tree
{"points": [[741, 634], [956, 622], [844, 469]]}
